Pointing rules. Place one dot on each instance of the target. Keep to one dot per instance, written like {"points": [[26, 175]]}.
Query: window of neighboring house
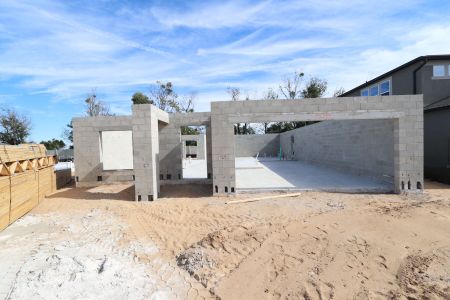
{"points": [[438, 71], [373, 91], [365, 92], [191, 143], [385, 88]]}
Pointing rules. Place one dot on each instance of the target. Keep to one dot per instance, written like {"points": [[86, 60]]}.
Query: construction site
{"points": [[359, 144], [337, 209]]}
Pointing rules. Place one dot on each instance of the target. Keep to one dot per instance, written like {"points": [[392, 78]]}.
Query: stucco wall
{"points": [[251, 144], [360, 146]]}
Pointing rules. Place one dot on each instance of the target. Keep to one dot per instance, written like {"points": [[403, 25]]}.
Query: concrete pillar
{"points": [[209, 163], [145, 152], [224, 179]]}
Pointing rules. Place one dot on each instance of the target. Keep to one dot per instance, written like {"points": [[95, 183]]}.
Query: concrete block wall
{"points": [[170, 143], [152, 160], [146, 152], [199, 150], [87, 147], [253, 144], [405, 111], [363, 147]]}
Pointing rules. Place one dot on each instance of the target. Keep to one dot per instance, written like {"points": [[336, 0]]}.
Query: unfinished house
{"points": [[357, 144]]}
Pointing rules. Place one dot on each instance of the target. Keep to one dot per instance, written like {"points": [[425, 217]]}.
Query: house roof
{"points": [[441, 103], [418, 59]]}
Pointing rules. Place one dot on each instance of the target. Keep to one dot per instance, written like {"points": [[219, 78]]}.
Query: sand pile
{"points": [[220, 252], [84, 259], [426, 275]]}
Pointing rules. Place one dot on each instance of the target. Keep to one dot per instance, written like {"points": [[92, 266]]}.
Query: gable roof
{"points": [[376, 79]]}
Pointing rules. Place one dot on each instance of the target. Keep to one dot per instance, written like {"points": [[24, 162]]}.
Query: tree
{"points": [[68, 132], [164, 97], [269, 95], [234, 93], [290, 87], [95, 107], [140, 98], [188, 130], [239, 128], [315, 88], [187, 102], [14, 127], [339, 92], [53, 144]]}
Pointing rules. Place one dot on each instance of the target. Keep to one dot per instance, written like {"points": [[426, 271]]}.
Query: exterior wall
{"points": [[402, 82], [364, 147], [434, 89], [87, 149], [199, 150], [405, 111], [252, 144], [171, 167], [437, 145]]}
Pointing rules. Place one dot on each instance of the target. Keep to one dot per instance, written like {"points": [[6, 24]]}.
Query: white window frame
{"points": [[378, 90], [378, 85], [445, 71]]}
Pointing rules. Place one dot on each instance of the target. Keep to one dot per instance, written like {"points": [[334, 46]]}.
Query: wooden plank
{"points": [[4, 171], [9, 153], [5, 197], [263, 198], [54, 188], [24, 194], [45, 182]]}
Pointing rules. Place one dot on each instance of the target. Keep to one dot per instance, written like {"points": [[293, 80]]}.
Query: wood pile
{"points": [[20, 158], [26, 177]]}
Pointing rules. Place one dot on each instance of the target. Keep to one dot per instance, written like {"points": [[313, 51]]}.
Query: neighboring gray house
{"points": [[428, 75]]}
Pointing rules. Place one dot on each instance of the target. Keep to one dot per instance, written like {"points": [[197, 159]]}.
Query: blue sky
{"points": [[53, 53]]}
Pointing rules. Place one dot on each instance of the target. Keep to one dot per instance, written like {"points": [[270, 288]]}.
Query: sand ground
{"points": [[95, 243]]}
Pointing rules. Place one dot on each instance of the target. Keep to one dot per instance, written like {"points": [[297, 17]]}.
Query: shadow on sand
{"points": [[125, 192]]}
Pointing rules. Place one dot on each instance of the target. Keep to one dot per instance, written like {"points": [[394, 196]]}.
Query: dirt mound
{"points": [[426, 275], [220, 252]]}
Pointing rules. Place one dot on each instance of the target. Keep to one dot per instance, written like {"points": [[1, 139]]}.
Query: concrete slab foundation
{"points": [[273, 174]]}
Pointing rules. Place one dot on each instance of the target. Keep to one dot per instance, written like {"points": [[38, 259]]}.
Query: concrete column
{"points": [[87, 153], [209, 163], [224, 180], [145, 152]]}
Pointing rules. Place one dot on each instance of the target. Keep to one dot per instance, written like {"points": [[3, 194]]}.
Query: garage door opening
{"points": [[194, 154], [344, 155]]}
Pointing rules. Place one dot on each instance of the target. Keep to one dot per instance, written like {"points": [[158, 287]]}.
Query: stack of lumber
{"points": [[26, 177], [10, 153], [20, 158]]}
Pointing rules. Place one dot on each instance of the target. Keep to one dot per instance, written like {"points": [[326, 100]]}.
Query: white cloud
{"points": [[211, 16], [65, 53]]}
